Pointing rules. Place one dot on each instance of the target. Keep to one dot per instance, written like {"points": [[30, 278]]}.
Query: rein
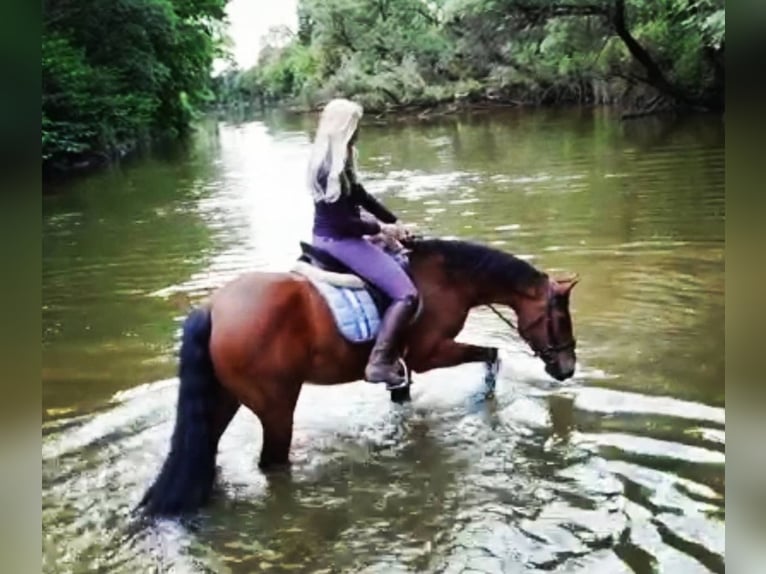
{"points": [[502, 317]]}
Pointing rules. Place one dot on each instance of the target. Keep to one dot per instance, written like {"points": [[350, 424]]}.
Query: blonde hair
{"points": [[337, 124]]}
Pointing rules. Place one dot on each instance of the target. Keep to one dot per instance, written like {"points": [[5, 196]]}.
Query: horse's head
{"points": [[546, 326], [484, 276]]}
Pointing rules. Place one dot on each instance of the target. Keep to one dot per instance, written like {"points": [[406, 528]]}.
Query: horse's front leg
{"points": [[449, 353]]}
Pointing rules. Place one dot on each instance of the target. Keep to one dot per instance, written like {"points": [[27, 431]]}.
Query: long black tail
{"points": [[186, 478]]}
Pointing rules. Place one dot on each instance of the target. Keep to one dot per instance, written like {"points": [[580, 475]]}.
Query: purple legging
{"points": [[371, 263]]}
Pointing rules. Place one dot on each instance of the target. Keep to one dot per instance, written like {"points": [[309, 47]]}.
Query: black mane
{"points": [[480, 261]]}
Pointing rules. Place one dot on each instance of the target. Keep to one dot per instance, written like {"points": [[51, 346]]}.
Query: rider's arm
{"points": [[371, 204]]}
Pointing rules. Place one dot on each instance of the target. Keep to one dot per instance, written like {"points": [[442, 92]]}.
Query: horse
{"points": [[259, 337]]}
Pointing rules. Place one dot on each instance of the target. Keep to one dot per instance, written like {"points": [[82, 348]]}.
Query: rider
{"points": [[340, 230]]}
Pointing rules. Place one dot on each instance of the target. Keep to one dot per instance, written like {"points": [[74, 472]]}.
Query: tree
{"points": [[120, 72], [394, 53]]}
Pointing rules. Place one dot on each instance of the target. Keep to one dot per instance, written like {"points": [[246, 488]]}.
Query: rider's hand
{"points": [[389, 235], [395, 231], [405, 231], [390, 230]]}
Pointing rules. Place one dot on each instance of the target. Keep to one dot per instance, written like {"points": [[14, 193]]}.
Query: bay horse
{"points": [[261, 336]]}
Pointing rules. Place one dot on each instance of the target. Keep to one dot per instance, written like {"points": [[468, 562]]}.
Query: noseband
{"points": [[546, 353]]}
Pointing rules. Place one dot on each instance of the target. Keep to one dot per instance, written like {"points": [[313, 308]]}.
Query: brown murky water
{"points": [[620, 469]]}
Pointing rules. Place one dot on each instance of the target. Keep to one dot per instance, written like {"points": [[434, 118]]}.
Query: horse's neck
{"points": [[448, 297], [467, 292], [490, 292]]}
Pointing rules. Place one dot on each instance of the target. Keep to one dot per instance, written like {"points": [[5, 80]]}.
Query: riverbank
{"points": [[425, 111], [643, 107], [629, 99], [87, 162], [93, 161]]}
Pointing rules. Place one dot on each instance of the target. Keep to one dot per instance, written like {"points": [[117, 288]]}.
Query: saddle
{"points": [[336, 273], [356, 305]]}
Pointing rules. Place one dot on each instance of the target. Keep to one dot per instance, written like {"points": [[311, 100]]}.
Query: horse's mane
{"points": [[480, 261]]}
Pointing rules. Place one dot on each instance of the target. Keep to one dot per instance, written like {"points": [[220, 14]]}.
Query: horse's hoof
{"points": [[273, 466], [401, 394]]}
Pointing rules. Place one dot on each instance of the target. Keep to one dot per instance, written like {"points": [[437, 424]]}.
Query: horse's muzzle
{"points": [[559, 372]]}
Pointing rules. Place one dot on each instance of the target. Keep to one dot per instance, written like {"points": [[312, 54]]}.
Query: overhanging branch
{"points": [[654, 75]]}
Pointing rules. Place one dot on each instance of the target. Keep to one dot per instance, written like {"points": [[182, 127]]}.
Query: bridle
{"points": [[546, 353]]}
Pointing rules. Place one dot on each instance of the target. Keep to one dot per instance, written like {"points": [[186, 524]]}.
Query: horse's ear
{"points": [[564, 285]]}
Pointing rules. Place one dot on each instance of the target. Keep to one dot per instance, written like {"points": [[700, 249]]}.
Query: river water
{"points": [[620, 469]]}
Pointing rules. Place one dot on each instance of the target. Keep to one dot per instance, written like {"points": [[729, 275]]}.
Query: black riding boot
{"points": [[383, 365]]}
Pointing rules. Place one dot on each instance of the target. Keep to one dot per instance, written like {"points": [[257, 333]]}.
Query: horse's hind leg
{"points": [[273, 402], [277, 436], [226, 407]]}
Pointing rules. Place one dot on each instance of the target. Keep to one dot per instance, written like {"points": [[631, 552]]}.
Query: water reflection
{"points": [[621, 469]]}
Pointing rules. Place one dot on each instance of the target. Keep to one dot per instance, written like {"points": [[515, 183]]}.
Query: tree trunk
{"points": [[654, 75]]}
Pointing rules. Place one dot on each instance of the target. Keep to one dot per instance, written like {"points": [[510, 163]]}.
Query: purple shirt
{"points": [[343, 217]]}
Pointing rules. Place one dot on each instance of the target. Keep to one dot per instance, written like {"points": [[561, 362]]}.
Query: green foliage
{"points": [[713, 28], [120, 72], [393, 53]]}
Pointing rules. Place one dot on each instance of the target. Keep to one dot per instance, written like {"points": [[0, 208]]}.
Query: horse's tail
{"points": [[186, 478]]}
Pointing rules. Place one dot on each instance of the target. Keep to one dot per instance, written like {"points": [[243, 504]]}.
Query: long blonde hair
{"points": [[337, 124]]}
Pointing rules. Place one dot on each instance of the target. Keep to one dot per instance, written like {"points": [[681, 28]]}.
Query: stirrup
{"points": [[406, 382]]}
